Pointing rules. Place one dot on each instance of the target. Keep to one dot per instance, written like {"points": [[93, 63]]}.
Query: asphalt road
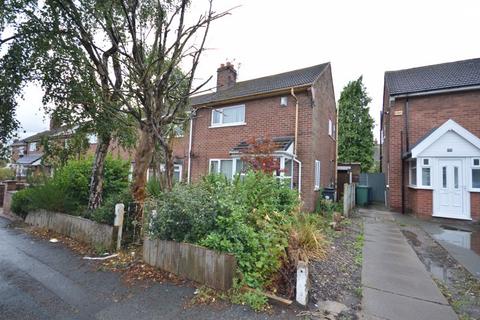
{"points": [[42, 280]]}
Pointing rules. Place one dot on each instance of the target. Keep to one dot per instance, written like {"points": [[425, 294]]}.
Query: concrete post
{"points": [[302, 283], [119, 214]]}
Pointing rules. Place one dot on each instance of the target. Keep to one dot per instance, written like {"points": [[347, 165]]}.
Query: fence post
{"points": [[119, 213], [346, 199]]}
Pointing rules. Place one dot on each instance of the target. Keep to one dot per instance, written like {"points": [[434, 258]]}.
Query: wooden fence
{"points": [[74, 227], [348, 199], [192, 262]]}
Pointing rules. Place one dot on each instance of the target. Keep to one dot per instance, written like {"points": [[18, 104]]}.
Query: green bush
{"points": [[6, 174], [153, 188], [185, 214], [106, 212], [68, 190], [248, 217]]}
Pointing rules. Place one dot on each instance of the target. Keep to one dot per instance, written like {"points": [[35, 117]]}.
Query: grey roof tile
{"points": [[29, 159], [267, 84], [458, 74]]}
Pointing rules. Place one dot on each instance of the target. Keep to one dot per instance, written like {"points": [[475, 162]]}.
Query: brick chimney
{"points": [[55, 122], [226, 76]]}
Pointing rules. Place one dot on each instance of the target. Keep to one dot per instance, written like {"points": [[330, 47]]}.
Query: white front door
{"points": [[450, 190]]}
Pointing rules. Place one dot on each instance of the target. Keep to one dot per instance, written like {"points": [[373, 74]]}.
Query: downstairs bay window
{"points": [[476, 174]]}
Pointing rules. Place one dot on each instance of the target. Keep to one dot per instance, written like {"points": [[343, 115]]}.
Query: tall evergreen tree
{"points": [[355, 126]]}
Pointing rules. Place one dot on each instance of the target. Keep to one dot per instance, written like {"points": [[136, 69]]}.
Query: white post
{"points": [[119, 214], [346, 199], [302, 283]]}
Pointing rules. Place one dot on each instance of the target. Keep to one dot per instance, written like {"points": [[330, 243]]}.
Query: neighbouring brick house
{"points": [[265, 108], [431, 140], [27, 153]]}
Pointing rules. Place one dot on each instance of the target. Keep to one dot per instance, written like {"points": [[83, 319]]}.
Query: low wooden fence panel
{"points": [[74, 227], [192, 262]]}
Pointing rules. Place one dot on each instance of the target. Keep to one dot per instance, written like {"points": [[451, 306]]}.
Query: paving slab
{"points": [[395, 283]]}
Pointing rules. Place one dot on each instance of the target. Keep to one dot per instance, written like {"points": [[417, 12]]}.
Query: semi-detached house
{"points": [[295, 109], [431, 140]]}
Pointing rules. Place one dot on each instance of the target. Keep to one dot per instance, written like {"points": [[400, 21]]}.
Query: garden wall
{"points": [[193, 262], [74, 227]]}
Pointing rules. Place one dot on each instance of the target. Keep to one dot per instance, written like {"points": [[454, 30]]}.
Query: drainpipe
{"points": [[296, 120], [403, 173], [407, 143], [292, 92], [190, 150]]}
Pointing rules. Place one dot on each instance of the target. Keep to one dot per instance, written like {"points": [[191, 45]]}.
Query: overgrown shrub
{"points": [[185, 214], [68, 190], [6, 174], [248, 217], [106, 212]]}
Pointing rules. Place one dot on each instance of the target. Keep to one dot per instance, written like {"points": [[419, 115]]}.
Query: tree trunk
{"points": [[169, 167], [96, 179], [143, 158]]}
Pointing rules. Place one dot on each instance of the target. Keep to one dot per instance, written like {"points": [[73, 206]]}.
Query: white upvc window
{"points": [[317, 174], [228, 167], [475, 174], [285, 174], [177, 172], [426, 173], [32, 147], [228, 116], [413, 172], [330, 127]]}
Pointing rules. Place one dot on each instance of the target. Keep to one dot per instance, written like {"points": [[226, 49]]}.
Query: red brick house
{"points": [[295, 109], [430, 131]]}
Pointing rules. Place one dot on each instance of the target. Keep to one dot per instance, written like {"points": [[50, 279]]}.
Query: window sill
{"points": [[420, 187], [473, 190], [227, 125]]}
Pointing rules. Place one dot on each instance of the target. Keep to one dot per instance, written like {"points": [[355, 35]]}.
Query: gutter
{"points": [[251, 97], [432, 92]]}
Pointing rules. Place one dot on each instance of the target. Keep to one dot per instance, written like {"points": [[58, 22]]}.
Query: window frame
{"points": [[473, 166], [230, 124], [412, 164], [32, 147], [317, 175], [330, 127], [219, 160], [420, 174], [178, 168]]}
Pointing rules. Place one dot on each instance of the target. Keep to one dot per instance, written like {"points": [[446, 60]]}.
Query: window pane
{"points": [[444, 177], [214, 167], [455, 177], [176, 176], [425, 162], [476, 162], [232, 115], [476, 178], [216, 116], [413, 176], [426, 176], [226, 168], [288, 167], [239, 166]]}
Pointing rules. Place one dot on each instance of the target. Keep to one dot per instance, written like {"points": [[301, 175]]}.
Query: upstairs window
{"points": [[32, 147], [330, 127], [228, 116], [92, 138]]}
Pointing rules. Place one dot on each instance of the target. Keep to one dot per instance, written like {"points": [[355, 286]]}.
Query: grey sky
{"points": [[358, 37]]}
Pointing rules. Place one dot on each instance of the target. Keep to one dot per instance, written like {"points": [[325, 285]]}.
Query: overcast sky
{"points": [[358, 38]]}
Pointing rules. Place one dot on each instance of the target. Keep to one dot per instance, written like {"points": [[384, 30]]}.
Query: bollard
{"points": [[119, 213], [302, 283]]}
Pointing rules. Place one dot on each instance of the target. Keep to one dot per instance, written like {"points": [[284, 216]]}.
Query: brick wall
{"points": [[420, 202], [425, 113]]}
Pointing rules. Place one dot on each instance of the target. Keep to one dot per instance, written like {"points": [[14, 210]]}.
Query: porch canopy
{"points": [[280, 144], [29, 160]]}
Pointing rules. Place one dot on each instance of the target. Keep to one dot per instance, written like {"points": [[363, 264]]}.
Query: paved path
{"points": [[42, 280], [395, 283]]}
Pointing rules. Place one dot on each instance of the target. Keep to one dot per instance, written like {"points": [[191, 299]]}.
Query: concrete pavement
{"points": [[42, 280], [396, 285]]}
